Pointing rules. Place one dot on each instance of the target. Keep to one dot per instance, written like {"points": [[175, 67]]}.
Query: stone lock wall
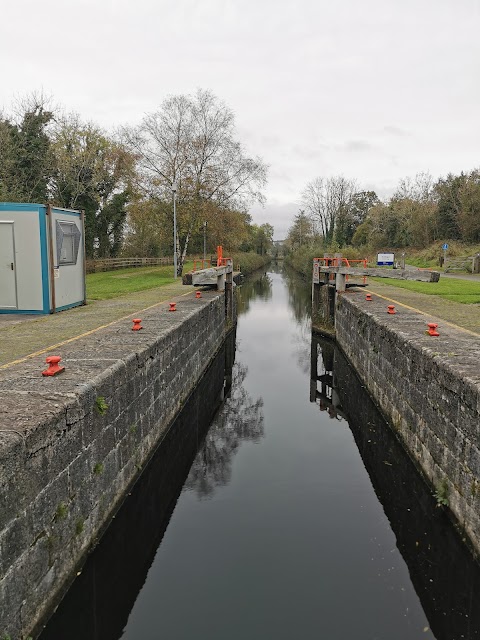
{"points": [[72, 445], [428, 388]]}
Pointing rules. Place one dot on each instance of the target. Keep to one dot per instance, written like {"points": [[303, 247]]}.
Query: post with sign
{"points": [[385, 259], [445, 247]]}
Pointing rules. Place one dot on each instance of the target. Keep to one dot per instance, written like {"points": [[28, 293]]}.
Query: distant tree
{"points": [[326, 201], [190, 141], [10, 185], [93, 173], [263, 238], [420, 188], [26, 158], [382, 228], [301, 231], [352, 214], [458, 206], [469, 215], [149, 228]]}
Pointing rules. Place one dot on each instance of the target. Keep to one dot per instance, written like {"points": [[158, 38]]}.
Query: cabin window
{"points": [[68, 242]]}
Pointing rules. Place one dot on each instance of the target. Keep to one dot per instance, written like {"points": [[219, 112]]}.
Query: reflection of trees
{"points": [[300, 302], [299, 295], [255, 286], [240, 419], [301, 342]]}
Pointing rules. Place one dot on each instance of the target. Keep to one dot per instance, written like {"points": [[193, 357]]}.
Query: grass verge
{"points": [[113, 284], [462, 291], [105, 285]]}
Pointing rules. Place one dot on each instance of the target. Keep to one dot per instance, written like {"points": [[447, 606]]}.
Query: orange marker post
{"points": [[137, 324], [53, 366], [432, 329]]}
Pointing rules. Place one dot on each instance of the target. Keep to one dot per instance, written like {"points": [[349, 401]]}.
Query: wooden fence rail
{"points": [[467, 263], [109, 264]]}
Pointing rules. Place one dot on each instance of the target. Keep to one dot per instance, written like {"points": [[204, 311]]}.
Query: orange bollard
{"points": [[391, 309], [432, 329], [136, 324], [368, 297], [198, 294], [173, 306], [53, 366]]}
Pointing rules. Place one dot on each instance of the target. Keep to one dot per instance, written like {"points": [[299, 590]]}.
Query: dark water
{"points": [[300, 516]]}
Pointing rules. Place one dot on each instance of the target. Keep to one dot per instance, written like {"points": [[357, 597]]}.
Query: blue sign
{"points": [[445, 247]]}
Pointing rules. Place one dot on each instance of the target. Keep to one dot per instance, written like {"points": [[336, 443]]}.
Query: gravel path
{"points": [[466, 316]]}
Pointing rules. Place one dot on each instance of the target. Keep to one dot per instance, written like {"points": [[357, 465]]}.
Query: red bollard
{"points": [[198, 294], [173, 306], [432, 329], [368, 297], [53, 366], [391, 309], [136, 324]]}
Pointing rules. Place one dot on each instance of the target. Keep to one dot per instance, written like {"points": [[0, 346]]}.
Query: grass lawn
{"points": [[462, 291], [112, 284]]}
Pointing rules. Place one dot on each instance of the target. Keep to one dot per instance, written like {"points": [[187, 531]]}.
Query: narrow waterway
{"points": [[299, 517]]}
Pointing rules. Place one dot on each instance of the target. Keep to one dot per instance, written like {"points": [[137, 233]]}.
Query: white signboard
{"points": [[385, 259]]}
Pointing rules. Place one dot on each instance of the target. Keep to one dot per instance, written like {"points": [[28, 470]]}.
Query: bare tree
{"points": [[190, 141], [325, 199], [419, 188]]}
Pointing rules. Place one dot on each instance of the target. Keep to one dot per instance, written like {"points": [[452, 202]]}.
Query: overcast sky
{"points": [[375, 90]]}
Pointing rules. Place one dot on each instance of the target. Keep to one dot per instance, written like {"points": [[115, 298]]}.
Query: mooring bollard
{"points": [[198, 294], [432, 329], [391, 309], [173, 306], [368, 297], [53, 366], [136, 324]]}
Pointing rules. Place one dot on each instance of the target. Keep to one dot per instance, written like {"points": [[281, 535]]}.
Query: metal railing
{"points": [[344, 262]]}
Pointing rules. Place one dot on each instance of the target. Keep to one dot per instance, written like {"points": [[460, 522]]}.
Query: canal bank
{"points": [[427, 386], [72, 445]]}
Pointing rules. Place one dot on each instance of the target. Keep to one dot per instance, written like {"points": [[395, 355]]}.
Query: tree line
{"points": [[124, 181], [420, 212]]}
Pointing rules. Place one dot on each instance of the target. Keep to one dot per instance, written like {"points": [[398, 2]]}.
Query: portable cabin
{"points": [[42, 258]]}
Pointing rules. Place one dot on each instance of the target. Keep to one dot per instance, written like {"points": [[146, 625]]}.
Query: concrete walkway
{"points": [[21, 336], [465, 316]]}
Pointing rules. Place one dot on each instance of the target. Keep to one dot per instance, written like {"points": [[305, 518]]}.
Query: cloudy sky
{"points": [[374, 90]]}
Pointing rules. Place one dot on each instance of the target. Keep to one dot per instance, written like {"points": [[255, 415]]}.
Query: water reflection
{"points": [[299, 294], [258, 286], [443, 572], [239, 419]]}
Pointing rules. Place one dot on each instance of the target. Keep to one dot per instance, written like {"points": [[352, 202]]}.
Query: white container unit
{"points": [[42, 258]]}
